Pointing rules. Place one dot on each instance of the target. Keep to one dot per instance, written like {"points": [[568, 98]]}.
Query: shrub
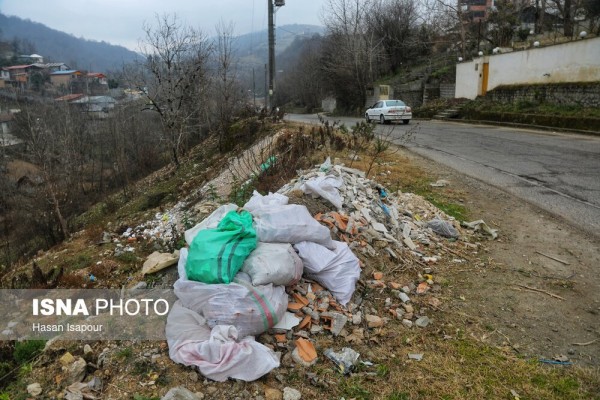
{"points": [[26, 350]]}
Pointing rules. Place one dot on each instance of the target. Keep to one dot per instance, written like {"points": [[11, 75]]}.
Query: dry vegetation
{"points": [[458, 362]]}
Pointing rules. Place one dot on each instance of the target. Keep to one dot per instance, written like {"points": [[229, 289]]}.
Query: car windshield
{"points": [[395, 103]]}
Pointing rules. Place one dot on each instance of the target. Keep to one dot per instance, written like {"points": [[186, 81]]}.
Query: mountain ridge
{"points": [[100, 56]]}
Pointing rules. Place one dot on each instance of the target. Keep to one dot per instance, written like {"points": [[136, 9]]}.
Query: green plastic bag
{"points": [[216, 255]]}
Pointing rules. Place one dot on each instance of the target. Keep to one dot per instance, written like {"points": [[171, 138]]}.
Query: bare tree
{"points": [[349, 51], [303, 83], [177, 77], [451, 17], [227, 88], [396, 25]]}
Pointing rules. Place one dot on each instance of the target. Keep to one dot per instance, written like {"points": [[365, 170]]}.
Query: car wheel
{"points": [[367, 118], [406, 121], [381, 119]]}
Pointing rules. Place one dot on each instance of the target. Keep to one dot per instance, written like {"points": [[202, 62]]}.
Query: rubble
{"points": [[158, 261], [370, 222], [35, 389]]}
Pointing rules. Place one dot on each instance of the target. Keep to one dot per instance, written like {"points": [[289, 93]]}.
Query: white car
{"points": [[387, 111]]}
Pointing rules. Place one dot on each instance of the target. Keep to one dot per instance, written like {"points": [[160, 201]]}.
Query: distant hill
{"points": [[253, 48], [57, 46]]}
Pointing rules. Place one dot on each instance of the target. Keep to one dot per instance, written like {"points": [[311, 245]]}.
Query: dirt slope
{"points": [[499, 293]]}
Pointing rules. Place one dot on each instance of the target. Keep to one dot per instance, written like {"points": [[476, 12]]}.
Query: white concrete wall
{"points": [[468, 80], [577, 61]]}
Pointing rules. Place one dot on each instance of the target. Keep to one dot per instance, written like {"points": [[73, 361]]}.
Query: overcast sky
{"points": [[120, 21]]}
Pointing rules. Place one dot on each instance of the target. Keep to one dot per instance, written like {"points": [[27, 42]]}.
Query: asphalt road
{"points": [[556, 171]]}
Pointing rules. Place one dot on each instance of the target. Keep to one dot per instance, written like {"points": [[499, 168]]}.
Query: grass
{"points": [[124, 353], [459, 368], [25, 351], [533, 107]]}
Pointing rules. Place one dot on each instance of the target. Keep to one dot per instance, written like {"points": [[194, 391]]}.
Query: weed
{"points": [[566, 386], [211, 193], [127, 257], [162, 380], [141, 397], [124, 353], [353, 389], [452, 209], [383, 371], [5, 369], [142, 367], [152, 280], [398, 396], [81, 261], [25, 351], [25, 369]]}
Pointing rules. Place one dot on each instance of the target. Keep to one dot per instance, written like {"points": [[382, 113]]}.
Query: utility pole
{"points": [[271, 55], [271, 9]]}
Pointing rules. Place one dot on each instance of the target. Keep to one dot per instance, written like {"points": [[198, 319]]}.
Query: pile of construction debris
{"points": [[367, 221]]}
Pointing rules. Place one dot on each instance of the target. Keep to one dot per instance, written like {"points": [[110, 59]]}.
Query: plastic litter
{"points": [[337, 269], [326, 166], [290, 223], [345, 360], [210, 222], [325, 186], [287, 322], [259, 201], [251, 309], [219, 353], [443, 228], [481, 225], [275, 263], [216, 255]]}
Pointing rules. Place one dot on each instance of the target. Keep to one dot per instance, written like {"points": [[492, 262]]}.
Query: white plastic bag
{"points": [[275, 263], [219, 354], [290, 223], [259, 201], [443, 228], [337, 270], [251, 309], [325, 186], [209, 222]]}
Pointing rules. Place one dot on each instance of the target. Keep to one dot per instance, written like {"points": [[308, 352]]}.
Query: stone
{"points": [[357, 318], [67, 359], [403, 297], [400, 313], [95, 384], [291, 394], [35, 389], [408, 308], [434, 302], [273, 394], [378, 226], [422, 322], [315, 329], [373, 321], [179, 393], [87, 349], [76, 371], [407, 323], [415, 356]]}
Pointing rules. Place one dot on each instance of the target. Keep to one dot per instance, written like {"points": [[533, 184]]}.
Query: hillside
{"points": [[57, 46], [433, 312]]}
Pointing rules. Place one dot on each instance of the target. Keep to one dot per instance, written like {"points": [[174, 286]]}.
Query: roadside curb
{"points": [[519, 125]]}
